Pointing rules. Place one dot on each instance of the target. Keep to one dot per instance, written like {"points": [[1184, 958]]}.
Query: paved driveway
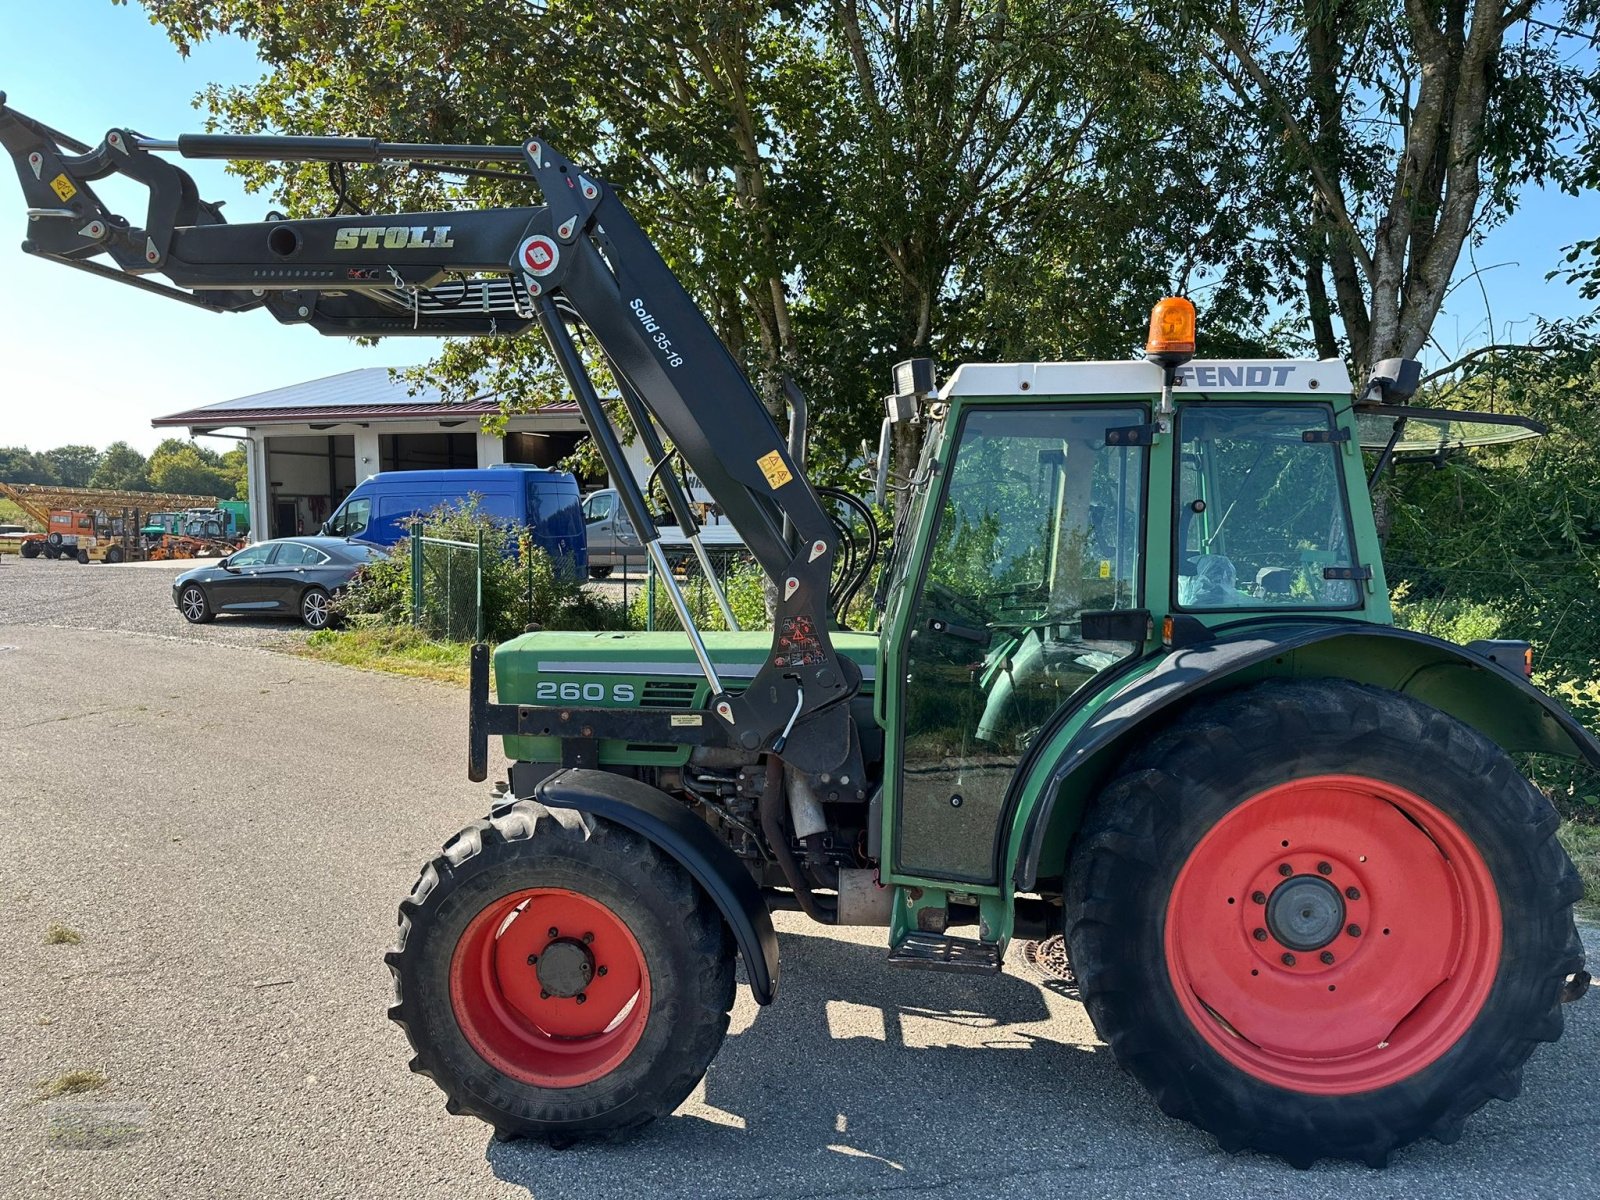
{"points": [[229, 830]]}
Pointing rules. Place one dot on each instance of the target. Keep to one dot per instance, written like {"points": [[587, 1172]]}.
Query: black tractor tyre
{"points": [[51, 550], [55, 539], [686, 950], [1154, 817], [194, 606], [83, 558], [114, 555], [599, 572], [31, 549]]}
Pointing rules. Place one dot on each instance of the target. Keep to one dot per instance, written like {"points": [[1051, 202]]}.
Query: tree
{"points": [[839, 183], [73, 465], [234, 464], [1390, 136], [121, 468], [18, 464], [178, 466]]}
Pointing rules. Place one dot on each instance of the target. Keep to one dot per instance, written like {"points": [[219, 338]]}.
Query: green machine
{"points": [[1134, 682]]}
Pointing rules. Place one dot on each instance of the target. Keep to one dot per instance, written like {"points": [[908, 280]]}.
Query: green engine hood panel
{"points": [[644, 670]]}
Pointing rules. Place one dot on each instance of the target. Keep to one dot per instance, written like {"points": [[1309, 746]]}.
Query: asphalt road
{"points": [[128, 597], [229, 830]]}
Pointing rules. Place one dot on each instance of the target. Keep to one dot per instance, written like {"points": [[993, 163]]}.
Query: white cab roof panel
{"points": [[1294, 376]]}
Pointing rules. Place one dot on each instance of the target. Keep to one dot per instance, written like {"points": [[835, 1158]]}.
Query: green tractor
{"points": [[1135, 682]]}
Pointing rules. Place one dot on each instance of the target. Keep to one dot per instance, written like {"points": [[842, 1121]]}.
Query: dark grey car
{"points": [[300, 576]]}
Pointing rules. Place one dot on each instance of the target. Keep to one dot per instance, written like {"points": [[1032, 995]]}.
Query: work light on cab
{"points": [[1171, 340]]}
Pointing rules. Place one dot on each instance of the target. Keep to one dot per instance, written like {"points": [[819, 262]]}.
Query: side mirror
{"points": [[880, 488]]}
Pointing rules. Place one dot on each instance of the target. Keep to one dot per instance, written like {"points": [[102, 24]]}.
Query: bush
{"points": [[521, 585], [746, 589]]}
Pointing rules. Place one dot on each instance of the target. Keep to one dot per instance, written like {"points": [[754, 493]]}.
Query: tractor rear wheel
{"points": [[30, 549], [559, 976], [1320, 919]]}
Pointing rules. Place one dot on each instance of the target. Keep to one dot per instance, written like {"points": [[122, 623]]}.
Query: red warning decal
{"points": [[539, 254]]}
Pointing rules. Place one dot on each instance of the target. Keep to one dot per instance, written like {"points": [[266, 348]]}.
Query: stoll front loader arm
{"points": [[580, 258]]}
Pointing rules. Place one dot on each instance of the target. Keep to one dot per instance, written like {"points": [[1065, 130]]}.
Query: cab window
{"points": [[351, 520], [596, 508], [1261, 518]]}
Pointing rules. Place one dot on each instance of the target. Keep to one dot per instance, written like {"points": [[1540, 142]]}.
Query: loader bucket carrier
{"points": [[581, 259], [1137, 687]]}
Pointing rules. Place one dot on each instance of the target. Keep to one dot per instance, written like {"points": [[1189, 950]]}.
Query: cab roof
{"points": [[1288, 376]]}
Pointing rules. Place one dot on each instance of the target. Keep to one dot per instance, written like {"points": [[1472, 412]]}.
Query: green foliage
{"points": [[178, 466], [522, 588], [11, 513], [745, 587], [1506, 542], [122, 469], [838, 184], [1582, 843], [21, 465]]}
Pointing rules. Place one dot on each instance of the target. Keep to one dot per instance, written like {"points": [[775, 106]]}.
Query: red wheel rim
{"points": [[1410, 964], [568, 1024]]}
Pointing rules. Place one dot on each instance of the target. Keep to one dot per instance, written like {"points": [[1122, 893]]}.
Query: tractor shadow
{"points": [[865, 1076]]}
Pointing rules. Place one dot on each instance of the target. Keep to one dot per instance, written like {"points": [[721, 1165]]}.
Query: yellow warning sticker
{"points": [[772, 467], [686, 718], [1105, 568], [62, 186]]}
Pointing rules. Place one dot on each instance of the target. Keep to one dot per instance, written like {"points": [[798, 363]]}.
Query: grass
{"points": [[11, 514], [1583, 844], [397, 649], [71, 1083], [57, 934]]}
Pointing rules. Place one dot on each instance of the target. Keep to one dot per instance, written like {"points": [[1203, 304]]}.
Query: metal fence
{"points": [[447, 587]]}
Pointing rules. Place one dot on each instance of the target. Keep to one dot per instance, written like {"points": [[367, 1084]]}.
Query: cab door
{"points": [[1040, 519]]}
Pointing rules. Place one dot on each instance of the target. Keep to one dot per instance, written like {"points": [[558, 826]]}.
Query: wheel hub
{"points": [[565, 968], [1305, 912]]}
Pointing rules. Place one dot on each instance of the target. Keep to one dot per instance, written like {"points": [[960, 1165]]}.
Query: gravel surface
{"points": [[127, 598], [228, 831]]}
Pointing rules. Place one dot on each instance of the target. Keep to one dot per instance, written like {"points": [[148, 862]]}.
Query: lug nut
{"points": [[1288, 960], [1352, 893], [1327, 958], [602, 970], [1258, 897], [1285, 870], [1324, 869], [1354, 931], [582, 999], [1260, 935], [554, 932], [543, 995], [533, 959], [587, 938]]}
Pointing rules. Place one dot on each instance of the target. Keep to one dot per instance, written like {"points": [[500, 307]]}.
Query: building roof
{"points": [[368, 394]]}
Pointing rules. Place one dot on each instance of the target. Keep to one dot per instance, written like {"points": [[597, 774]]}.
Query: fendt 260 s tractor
{"points": [[1136, 680]]}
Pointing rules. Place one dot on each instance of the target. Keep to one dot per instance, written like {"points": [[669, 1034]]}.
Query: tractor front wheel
{"points": [[1322, 920], [560, 977]]}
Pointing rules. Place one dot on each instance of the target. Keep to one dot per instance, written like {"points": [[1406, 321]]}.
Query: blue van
{"points": [[544, 502]]}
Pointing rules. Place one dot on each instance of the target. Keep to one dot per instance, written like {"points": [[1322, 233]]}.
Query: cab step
{"points": [[939, 952]]}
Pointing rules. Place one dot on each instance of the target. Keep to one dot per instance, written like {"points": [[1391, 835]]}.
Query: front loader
{"points": [[1135, 681]]}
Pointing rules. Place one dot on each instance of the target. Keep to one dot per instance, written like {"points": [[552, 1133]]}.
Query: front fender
{"points": [[1497, 702], [672, 828]]}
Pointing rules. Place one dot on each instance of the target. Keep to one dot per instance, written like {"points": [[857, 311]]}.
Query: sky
{"points": [[89, 361]]}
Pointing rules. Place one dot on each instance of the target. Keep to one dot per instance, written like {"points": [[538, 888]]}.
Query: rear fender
{"points": [[1496, 701], [673, 829]]}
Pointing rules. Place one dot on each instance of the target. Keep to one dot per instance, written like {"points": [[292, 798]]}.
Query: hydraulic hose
{"points": [[819, 909]]}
